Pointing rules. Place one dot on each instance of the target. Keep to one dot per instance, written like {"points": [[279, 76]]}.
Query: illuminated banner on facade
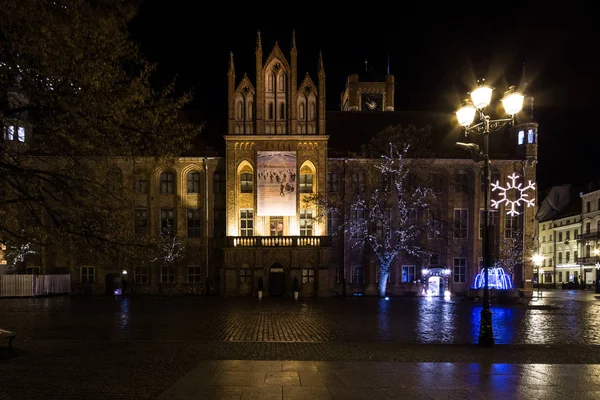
{"points": [[276, 183]]}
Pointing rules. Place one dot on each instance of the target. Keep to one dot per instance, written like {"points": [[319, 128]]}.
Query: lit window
{"points": [[247, 222], [308, 275], [521, 137], [246, 182], [306, 223], [193, 182], [530, 136], [306, 182], [21, 134]]}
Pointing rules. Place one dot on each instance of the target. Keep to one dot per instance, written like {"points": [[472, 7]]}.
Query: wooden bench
{"points": [[4, 334]]}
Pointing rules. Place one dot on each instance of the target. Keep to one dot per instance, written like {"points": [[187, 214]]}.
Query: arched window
{"points": [[281, 82], [250, 113], [311, 111], [246, 181], [306, 179], [239, 110], [270, 80], [301, 110], [271, 110], [281, 110], [167, 183], [193, 182]]}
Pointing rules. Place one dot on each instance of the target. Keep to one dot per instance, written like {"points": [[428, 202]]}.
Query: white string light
{"points": [[522, 197]]}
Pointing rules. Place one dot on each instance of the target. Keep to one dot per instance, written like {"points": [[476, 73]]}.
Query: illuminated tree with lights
{"points": [[387, 220], [170, 251], [510, 252], [16, 254]]}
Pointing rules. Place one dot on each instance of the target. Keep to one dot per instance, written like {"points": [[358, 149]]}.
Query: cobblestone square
{"points": [[123, 347]]}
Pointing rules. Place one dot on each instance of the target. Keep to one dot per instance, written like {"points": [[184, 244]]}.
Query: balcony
{"points": [[278, 241]]}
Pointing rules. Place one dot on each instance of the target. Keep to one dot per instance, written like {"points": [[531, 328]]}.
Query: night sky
{"points": [[434, 65]]}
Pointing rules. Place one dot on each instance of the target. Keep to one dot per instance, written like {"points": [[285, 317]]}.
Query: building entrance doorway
{"points": [[276, 280], [435, 286]]}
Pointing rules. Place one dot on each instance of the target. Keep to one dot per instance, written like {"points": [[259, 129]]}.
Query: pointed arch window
{"points": [[271, 111], [282, 111], [270, 82], [246, 182], [239, 110], [306, 180], [281, 82], [311, 111], [250, 110], [301, 110]]}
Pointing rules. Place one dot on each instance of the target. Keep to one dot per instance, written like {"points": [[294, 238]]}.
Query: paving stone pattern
{"points": [[242, 379], [138, 348]]}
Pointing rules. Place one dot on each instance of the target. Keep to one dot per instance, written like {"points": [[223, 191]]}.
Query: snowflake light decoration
{"points": [[521, 197]]}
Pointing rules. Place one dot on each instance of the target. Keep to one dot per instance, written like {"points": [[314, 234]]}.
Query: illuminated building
{"points": [[243, 216]]}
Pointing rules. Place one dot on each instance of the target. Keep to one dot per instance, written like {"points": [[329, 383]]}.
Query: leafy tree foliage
{"points": [[77, 105]]}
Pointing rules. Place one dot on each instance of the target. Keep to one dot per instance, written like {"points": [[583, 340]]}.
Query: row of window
{"points": [[357, 182], [281, 115], [437, 181], [168, 222], [16, 134], [275, 223], [408, 273], [141, 274]]}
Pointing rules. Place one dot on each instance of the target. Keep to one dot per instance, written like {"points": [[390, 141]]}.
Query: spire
{"points": [[321, 66], [258, 41], [523, 89], [524, 82], [293, 40], [231, 65], [388, 69]]}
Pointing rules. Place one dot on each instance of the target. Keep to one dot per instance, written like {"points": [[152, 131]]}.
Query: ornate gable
{"points": [[307, 86], [276, 53], [245, 85]]}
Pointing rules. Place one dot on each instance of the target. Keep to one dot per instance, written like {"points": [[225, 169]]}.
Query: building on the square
{"points": [[559, 225], [243, 215], [589, 238]]}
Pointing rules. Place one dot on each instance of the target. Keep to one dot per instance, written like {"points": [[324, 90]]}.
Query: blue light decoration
{"points": [[497, 279]]}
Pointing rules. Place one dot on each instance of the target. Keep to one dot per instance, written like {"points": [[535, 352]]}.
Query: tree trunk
{"points": [[384, 272]]}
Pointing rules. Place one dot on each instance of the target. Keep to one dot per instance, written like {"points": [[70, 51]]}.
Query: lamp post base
{"points": [[486, 334]]}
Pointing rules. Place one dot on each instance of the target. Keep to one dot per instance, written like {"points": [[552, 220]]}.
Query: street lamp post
{"points": [[480, 99]]}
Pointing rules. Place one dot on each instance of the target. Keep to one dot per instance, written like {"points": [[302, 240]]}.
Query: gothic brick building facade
{"points": [[247, 216]]}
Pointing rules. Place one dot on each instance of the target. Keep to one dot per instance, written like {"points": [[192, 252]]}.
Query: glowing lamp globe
{"points": [[482, 96], [512, 102], [465, 114], [537, 259]]}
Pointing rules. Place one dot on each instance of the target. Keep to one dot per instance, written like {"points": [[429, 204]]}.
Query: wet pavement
{"points": [[316, 380], [98, 347]]}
